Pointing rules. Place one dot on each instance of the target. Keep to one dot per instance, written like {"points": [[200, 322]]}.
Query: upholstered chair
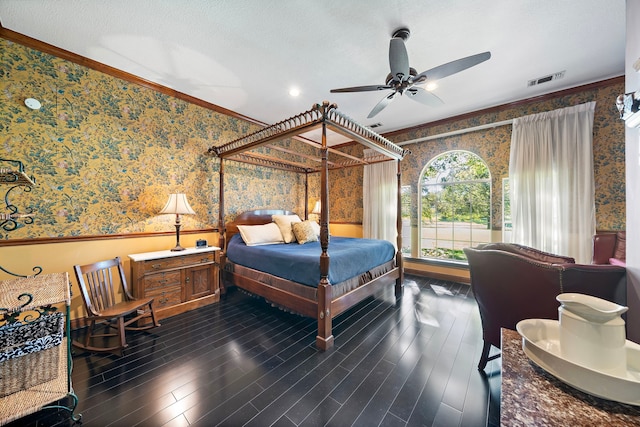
{"points": [[512, 282], [610, 248]]}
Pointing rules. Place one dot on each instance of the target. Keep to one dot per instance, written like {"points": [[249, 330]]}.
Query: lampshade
{"points": [[177, 204], [316, 208]]}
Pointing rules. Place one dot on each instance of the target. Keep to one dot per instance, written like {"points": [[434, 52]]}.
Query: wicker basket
{"points": [[28, 352], [24, 372]]}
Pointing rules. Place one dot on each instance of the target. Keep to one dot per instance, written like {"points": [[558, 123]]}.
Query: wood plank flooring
{"points": [[244, 363]]}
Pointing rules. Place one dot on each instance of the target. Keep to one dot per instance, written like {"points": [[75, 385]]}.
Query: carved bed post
{"points": [[306, 195], [221, 224], [399, 257], [222, 229], [324, 339]]}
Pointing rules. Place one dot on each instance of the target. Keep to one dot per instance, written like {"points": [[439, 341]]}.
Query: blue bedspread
{"points": [[349, 257]]}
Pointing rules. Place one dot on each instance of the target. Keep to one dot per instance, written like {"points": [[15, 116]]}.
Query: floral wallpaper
{"points": [[345, 190], [106, 153], [252, 187]]}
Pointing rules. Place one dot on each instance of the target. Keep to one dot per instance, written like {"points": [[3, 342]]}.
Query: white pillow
{"points": [[285, 222], [316, 228], [267, 234]]}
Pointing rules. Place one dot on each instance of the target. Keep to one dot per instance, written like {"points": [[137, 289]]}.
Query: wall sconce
{"points": [[178, 205]]}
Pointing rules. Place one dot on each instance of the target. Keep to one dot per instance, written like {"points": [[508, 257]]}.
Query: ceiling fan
{"points": [[403, 79]]}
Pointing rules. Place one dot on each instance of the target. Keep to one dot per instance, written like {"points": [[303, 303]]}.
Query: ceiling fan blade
{"points": [[398, 59], [361, 88], [452, 67], [382, 104], [423, 96]]}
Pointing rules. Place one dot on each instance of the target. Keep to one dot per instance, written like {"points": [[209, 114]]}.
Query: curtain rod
{"points": [[457, 132]]}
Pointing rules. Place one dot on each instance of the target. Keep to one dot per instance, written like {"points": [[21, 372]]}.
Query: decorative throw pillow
{"points": [[285, 222], [618, 262], [304, 232], [267, 234]]}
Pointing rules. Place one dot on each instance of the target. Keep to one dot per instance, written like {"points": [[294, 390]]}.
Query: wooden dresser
{"points": [[179, 281]]}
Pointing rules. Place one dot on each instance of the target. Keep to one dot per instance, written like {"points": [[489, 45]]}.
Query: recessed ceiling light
{"points": [[294, 91], [32, 103]]}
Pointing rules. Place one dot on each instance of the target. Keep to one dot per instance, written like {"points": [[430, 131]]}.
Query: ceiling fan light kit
{"points": [[404, 79]]}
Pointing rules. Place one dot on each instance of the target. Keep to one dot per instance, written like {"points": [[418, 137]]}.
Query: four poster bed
{"points": [[336, 278]]}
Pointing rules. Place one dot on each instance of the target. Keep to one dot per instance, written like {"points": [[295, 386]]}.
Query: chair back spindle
{"points": [[102, 288]]}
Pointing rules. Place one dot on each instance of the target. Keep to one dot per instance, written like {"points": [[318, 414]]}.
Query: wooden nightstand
{"points": [[179, 281]]}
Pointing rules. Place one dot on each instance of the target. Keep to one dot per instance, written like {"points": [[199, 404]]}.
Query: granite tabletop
{"points": [[532, 397]]}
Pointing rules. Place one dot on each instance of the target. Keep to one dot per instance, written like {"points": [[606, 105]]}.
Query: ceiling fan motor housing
{"points": [[402, 33]]}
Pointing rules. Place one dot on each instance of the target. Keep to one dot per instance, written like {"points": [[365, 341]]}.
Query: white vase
{"points": [[592, 333]]}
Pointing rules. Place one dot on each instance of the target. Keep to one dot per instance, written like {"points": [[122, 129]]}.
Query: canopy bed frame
{"points": [[325, 303]]}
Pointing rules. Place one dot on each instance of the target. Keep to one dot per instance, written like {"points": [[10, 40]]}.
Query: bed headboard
{"points": [[256, 217]]}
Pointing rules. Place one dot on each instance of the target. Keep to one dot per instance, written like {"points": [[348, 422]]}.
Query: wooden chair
{"points": [[99, 283]]}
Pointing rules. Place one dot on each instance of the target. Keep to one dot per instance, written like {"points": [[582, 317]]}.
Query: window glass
{"points": [[455, 205], [405, 200], [506, 211]]}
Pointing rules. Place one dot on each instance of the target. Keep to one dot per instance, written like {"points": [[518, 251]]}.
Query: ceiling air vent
{"points": [[545, 79], [375, 125]]}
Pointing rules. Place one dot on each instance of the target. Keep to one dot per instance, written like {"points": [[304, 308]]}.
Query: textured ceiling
{"points": [[245, 55]]}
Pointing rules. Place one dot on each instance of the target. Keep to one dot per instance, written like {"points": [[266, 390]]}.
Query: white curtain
{"points": [[551, 181], [380, 199]]}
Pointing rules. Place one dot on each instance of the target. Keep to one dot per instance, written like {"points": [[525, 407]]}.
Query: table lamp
{"points": [[178, 205], [317, 208]]}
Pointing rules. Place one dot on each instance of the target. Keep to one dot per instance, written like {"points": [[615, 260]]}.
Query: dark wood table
{"points": [[532, 397]]}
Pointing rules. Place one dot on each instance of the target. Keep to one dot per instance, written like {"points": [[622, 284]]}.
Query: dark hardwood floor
{"points": [[242, 362]]}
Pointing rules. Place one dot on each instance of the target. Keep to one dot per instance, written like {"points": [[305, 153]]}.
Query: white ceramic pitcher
{"points": [[592, 333]]}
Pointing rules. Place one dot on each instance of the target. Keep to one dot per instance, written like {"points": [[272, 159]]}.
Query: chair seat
{"points": [[124, 308]]}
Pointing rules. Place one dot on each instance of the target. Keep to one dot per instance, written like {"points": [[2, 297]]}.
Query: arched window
{"points": [[455, 205]]}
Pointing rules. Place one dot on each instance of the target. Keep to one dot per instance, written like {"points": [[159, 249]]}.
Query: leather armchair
{"points": [[512, 282], [610, 248]]}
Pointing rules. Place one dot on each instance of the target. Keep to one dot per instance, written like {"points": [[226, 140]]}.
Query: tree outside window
{"points": [[455, 205]]}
